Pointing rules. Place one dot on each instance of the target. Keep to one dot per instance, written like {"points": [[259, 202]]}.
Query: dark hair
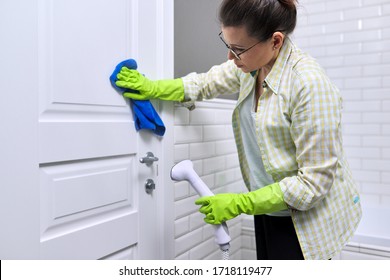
{"points": [[260, 17]]}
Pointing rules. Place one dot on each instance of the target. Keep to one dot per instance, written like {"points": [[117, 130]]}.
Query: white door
{"points": [[72, 186]]}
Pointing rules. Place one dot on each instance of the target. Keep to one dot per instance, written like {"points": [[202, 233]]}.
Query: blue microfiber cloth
{"points": [[145, 116]]}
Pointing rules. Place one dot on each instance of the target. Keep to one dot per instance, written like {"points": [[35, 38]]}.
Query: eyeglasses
{"points": [[236, 55]]}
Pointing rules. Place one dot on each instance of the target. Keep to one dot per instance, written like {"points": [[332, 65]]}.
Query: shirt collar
{"points": [[274, 77]]}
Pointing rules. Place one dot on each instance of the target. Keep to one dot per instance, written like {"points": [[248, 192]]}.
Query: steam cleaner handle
{"points": [[221, 231]]}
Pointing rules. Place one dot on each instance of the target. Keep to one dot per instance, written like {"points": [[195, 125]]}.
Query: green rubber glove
{"points": [[225, 206], [163, 89]]}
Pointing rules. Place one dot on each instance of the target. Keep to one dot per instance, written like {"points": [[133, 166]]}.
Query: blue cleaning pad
{"points": [[145, 116]]}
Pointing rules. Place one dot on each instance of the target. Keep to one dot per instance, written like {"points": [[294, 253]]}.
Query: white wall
{"points": [[351, 39], [197, 45], [205, 136]]}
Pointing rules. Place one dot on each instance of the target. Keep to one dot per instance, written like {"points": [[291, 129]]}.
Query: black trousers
{"points": [[276, 239]]}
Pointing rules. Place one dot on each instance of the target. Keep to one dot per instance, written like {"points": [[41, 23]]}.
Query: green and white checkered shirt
{"points": [[298, 128]]}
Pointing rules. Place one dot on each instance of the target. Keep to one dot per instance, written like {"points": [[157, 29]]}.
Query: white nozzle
{"points": [[184, 170]]}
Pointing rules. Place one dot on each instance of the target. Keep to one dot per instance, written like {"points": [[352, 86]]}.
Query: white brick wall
{"points": [[205, 136], [351, 40]]}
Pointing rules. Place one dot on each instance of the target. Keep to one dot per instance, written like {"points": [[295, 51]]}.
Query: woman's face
{"points": [[260, 55]]}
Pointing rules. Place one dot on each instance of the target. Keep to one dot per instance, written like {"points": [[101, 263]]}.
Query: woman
{"points": [[287, 127]]}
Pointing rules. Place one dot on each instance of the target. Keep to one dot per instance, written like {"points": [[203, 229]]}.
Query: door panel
{"points": [[94, 239], [81, 43], [91, 179], [80, 193], [88, 146], [65, 140], [86, 188]]}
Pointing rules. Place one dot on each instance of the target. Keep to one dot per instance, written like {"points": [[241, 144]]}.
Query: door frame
{"points": [[19, 163], [166, 70], [164, 14]]}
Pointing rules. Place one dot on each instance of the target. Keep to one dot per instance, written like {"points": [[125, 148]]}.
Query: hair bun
{"points": [[291, 4], [261, 18]]}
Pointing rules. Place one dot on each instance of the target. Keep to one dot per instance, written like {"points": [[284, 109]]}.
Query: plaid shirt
{"points": [[298, 127]]}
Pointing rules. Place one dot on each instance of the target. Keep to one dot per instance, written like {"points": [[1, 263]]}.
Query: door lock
{"points": [[149, 186], [149, 159]]}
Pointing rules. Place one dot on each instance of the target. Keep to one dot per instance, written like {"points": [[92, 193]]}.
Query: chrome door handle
{"points": [[149, 159]]}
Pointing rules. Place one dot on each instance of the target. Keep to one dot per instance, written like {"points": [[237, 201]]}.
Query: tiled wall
{"points": [[351, 40], [205, 136]]}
